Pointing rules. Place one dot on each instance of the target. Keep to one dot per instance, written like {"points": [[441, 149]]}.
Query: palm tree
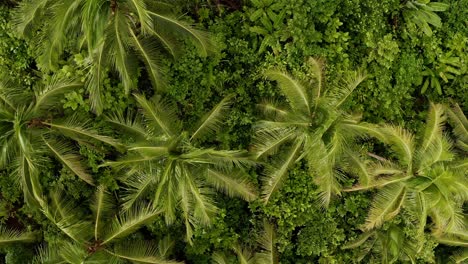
{"points": [[425, 177], [114, 33], [29, 130], [169, 162], [311, 125], [9, 236], [99, 237], [266, 255]]}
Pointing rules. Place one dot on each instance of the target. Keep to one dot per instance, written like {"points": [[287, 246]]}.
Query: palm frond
{"points": [[140, 252], [47, 97], [95, 78], [48, 254], [8, 236], [459, 123], [234, 184], [359, 241], [267, 243], [131, 122], [274, 109], [316, 67], [73, 252], [202, 40], [26, 14], [150, 55], [118, 40], [358, 166], [137, 186], [144, 17], [102, 206], [402, 142], [244, 256], [460, 256], [294, 91], [72, 160], [434, 124], [274, 176], [203, 205], [386, 204], [129, 221], [268, 141], [160, 113], [80, 130], [340, 94], [211, 122]]}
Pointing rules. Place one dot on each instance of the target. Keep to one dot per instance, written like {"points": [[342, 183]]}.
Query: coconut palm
{"points": [[425, 178], [266, 255], [100, 236], [29, 130], [114, 34], [310, 125], [168, 162]]}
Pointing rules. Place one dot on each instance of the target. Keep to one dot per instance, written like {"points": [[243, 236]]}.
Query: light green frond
{"points": [[26, 14], [8, 236], [144, 17], [233, 184], [294, 91], [219, 258], [203, 205], [359, 241], [102, 206], [137, 187], [459, 123], [129, 221], [48, 96], [267, 242], [386, 205], [316, 67], [95, 78], [460, 256], [140, 252], [66, 154], [358, 166], [341, 93], [402, 142], [268, 141], [453, 239], [118, 39], [434, 124], [48, 255], [131, 122], [81, 130], [160, 113], [200, 39], [211, 122], [275, 175], [73, 252], [150, 54], [273, 109], [244, 256]]}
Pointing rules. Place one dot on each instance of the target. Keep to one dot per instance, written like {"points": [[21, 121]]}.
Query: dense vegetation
{"points": [[233, 131]]}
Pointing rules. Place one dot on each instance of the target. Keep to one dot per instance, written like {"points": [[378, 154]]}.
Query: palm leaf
{"points": [[47, 97], [140, 252], [102, 206], [402, 142], [73, 161], [267, 243], [132, 123], [274, 176], [211, 122], [8, 236], [26, 14], [459, 122], [129, 221], [95, 78], [234, 184], [294, 91], [137, 186], [385, 205], [160, 113], [433, 129], [359, 241], [268, 141]]}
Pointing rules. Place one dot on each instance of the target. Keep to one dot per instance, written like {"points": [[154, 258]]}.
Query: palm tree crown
{"points": [[310, 125], [28, 130], [114, 33], [426, 178], [168, 161]]}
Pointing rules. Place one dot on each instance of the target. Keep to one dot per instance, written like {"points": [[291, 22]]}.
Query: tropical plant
{"points": [[9, 236], [385, 246], [266, 255], [170, 162], [113, 33], [422, 14], [459, 122], [447, 68], [99, 237], [311, 125], [29, 130], [424, 177]]}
